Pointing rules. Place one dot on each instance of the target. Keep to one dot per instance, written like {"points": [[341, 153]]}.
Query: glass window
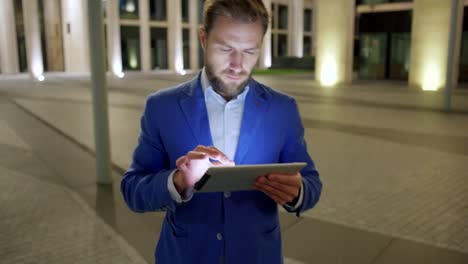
{"points": [[43, 35], [185, 11], [158, 10], [307, 46], [463, 69], [463, 75], [308, 20], [201, 62], [282, 17], [104, 4], [370, 2], [186, 47], [200, 10], [159, 48], [128, 9], [372, 55], [400, 55], [273, 46], [20, 36], [282, 45], [273, 15], [130, 41]]}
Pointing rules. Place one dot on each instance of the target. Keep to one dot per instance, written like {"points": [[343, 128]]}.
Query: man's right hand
{"points": [[192, 166]]}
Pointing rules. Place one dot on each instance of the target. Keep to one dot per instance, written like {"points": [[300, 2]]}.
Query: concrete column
{"points": [[9, 63], [53, 34], [176, 59], [33, 38], [335, 30], [429, 43], [145, 48], [265, 56], [114, 50], [193, 20], [75, 36], [99, 91], [296, 30]]}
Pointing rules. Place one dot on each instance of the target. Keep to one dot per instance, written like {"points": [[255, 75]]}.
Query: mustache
{"points": [[240, 74]]}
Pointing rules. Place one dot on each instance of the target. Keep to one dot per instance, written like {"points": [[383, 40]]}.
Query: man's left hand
{"points": [[282, 188]]}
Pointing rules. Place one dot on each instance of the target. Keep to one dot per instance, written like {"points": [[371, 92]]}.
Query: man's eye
{"points": [[250, 52], [225, 49]]}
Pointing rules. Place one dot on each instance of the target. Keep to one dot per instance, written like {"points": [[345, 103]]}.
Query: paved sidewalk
{"points": [[42, 222], [393, 168]]}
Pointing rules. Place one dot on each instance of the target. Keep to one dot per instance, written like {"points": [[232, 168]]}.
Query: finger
{"points": [[273, 196], [220, 164], [213, 153], [289, 190], [181, 160], [271, 190], [294, 180], [195, 155]]}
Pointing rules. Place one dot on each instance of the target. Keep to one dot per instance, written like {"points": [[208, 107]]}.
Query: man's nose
{"points": [[236, 61]]}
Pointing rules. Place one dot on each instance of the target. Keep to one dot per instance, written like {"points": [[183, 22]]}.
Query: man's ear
{"points": [[203, 37]]}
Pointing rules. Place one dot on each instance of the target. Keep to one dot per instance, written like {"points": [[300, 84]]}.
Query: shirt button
{"points": [[219, 236], [227, 194]]}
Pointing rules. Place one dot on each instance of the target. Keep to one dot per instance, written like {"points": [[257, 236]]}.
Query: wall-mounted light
{"points": [[328, 72], [119, 74], [431, 77]]}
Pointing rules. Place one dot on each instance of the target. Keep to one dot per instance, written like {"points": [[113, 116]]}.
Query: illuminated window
{"points": [[158, 10], [159, 48], [130, 42], [128, 9]]}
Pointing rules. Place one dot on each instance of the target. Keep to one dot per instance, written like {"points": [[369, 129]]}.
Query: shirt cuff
{"points": [[185, 197], [299, 201]]}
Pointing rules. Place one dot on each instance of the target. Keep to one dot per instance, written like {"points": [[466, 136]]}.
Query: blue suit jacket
{"points": [[174, 122]]}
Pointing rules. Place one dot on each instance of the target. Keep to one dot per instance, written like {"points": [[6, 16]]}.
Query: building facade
{"points": [[347, 39]]}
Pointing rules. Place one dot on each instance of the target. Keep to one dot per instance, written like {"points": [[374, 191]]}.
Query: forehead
{"points": [[229, 29]]}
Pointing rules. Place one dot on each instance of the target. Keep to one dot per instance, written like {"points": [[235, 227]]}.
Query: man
{"points": [[222, 117]]}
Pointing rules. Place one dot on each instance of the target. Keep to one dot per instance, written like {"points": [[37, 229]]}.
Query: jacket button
{"points": [[219, 236], [227, 194]]}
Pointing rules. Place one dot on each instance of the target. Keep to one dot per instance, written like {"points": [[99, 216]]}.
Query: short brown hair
{"points": [[244, 10]]}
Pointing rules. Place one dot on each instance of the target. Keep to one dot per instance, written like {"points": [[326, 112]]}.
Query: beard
{"points": [[224, 89]]}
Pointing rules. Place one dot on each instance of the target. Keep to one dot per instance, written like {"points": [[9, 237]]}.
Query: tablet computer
{"points": [[241, 177]]}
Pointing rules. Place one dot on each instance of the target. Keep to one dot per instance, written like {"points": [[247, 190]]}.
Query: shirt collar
{"points": [[208, 89]]}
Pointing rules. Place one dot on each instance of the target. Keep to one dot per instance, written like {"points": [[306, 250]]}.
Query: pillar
{"points": [[265, 56], [296, 22], [53, 35], [145, 41], [193, 21], [75, 36], [335, 31], [114, 50], [33, 38], [176, 59], [9, 63], [429, 43]]}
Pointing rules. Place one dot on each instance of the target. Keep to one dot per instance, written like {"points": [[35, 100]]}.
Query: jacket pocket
{"points": [[177, 230], [272, 233]]}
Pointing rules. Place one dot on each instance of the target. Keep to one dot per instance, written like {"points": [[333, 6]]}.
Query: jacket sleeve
{"points": [[295, 150], [144, 185]]}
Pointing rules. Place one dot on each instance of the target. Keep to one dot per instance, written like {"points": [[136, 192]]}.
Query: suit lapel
{"points": [[192, 103], [256, 105]]}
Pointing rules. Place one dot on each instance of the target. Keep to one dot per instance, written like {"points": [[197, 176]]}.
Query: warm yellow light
{"points": [[133, 61], [328, 72], [431, 77], [130, 7], [120, 75]]}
